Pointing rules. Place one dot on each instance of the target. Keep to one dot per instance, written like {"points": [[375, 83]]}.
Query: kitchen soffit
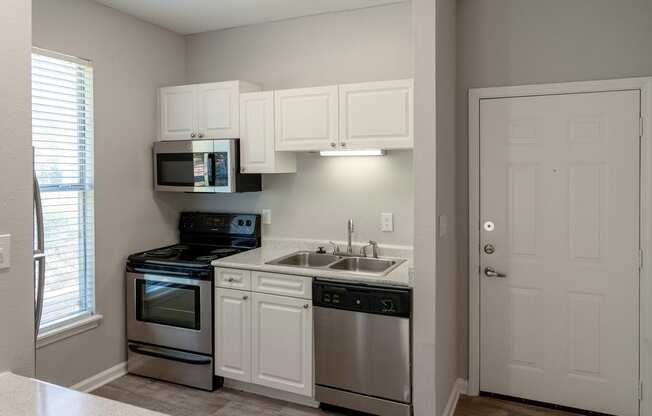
{"points": [[195, 16]]}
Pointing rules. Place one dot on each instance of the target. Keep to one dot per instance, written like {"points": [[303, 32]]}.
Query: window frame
{"points": [[84, 183]]}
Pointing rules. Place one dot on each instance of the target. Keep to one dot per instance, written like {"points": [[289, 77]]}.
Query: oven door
{"points": [[184, 166], [170, 311]]}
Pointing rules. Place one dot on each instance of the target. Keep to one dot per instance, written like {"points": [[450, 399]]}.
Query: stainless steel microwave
{"points": [[210, 166]]}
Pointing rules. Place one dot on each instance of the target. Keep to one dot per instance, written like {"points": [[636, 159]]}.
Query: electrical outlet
{"points": [[387, 222], [5, 251], [266, 215]]}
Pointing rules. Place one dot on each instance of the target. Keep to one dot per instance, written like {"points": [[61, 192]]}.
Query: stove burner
{"points": [[205, 258], [164, 253], [224, 251]]}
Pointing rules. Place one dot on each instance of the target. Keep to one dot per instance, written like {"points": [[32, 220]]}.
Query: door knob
{"points": [[193, 135], [491, 272]]}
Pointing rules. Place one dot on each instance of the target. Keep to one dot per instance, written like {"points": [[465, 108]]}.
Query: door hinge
{"points": [[640, 259], [640, 127], [640, 391]]}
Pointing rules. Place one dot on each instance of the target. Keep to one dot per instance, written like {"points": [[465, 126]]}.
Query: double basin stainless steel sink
{"points": [[350, 264]]}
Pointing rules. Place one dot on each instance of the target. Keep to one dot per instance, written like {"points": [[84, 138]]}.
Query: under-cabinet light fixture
{"points": [[361, 152]]}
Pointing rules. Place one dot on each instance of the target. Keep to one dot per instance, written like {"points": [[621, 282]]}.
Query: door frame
{"points": [[644, 85]]}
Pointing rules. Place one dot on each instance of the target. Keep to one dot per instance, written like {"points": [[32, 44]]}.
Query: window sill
{"points": [[66, 331]]}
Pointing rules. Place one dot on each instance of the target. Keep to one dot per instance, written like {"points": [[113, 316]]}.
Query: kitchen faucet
{"points": [[349, 247], [349, 229]]}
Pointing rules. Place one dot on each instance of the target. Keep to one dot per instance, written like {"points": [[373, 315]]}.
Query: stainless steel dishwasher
{"points": [[363, 347]]}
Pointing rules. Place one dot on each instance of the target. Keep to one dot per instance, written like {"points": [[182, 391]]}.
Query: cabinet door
{"points": [[282, 343], [306, 119], [257, 132], [377, 115], [233, 334], [218, 110], [177, 112]]}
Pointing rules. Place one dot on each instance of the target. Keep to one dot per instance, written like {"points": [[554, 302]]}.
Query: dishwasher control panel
{"points": [[363, 298]]}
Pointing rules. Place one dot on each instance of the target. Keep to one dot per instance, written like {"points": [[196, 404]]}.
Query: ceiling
{"points": [[194, 16]]}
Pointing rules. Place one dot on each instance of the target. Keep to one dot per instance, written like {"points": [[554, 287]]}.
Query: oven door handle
{"points": [[139, 350]]}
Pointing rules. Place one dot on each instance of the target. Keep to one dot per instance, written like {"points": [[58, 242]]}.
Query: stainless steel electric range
{"points": [[170, 298]]}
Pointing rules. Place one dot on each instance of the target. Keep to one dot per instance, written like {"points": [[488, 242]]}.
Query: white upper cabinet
{"points": [[306, 119], [377, 115], [177, 112], [202, 111], [257, 144], [282, 343], [233, 334]]}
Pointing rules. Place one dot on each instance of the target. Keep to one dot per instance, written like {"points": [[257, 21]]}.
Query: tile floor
{"points": [[178, 400]]}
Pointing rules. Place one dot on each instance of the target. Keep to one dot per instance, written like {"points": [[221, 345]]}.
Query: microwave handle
{"points": [[210, 170]]}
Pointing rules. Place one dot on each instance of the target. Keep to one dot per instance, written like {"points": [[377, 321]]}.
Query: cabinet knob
{"points": [[245, 297], [193, 135], [306, 306], [333, 144], [343, 144], [201, 135], [243, 170], [230, 279]]}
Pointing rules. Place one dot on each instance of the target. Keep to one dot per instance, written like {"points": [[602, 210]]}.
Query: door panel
{"points": [[282, 340], [177, 112], [233, 334], [559, 181], [306, 119], [218, 110], [377, 115]]}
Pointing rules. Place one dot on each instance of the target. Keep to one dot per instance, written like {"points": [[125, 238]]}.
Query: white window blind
{"points": [[62, 136]]}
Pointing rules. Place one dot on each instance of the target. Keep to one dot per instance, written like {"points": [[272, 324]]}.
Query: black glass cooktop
{"points": [[186, 253]]}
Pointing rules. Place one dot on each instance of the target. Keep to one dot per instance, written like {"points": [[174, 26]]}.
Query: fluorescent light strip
{"points": [[362, 152]]}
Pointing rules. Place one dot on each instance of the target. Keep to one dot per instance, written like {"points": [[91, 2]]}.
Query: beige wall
{"points": [[131, 59], [425, 255], [448, 280], [16, 283], [513, 42], [362, 45]]}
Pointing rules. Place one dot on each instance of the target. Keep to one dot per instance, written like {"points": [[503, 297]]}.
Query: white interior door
{"points": [[559, 203]]}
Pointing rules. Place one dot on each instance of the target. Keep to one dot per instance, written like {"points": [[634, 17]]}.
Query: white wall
{"points": [[16, 283], [448, 280], [512, 42], [362, 45], [131, 59]]}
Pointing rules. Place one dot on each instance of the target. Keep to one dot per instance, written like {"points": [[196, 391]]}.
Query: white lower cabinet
{"points": [[233, 334], [282, 343], [264, 339]]}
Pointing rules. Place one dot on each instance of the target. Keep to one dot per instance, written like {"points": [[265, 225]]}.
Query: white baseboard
{"points": [[459, 387], [271, 393], [100, 379]]}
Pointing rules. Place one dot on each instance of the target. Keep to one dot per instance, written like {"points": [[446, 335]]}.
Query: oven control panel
{"points": [[234, 224]]}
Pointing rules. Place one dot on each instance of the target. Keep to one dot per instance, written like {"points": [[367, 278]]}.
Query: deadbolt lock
{"points": [[489, 249]]}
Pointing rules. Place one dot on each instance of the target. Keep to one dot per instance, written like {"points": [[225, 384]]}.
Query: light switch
{"points": [[5, 251], [443, 225], [266, 215], [387, 222]]}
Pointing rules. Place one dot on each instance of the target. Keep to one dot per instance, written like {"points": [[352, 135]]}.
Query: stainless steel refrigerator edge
{"points": [[39, 255]]}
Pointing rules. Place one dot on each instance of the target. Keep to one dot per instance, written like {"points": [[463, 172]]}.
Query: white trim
{"points": [[459, 387], [269, 392], [68, 330], [645, 320], [100, 379], [62, 56]]}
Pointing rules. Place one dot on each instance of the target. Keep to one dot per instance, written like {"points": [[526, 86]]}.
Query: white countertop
{"points": [[22, 396], [256, 260]]}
